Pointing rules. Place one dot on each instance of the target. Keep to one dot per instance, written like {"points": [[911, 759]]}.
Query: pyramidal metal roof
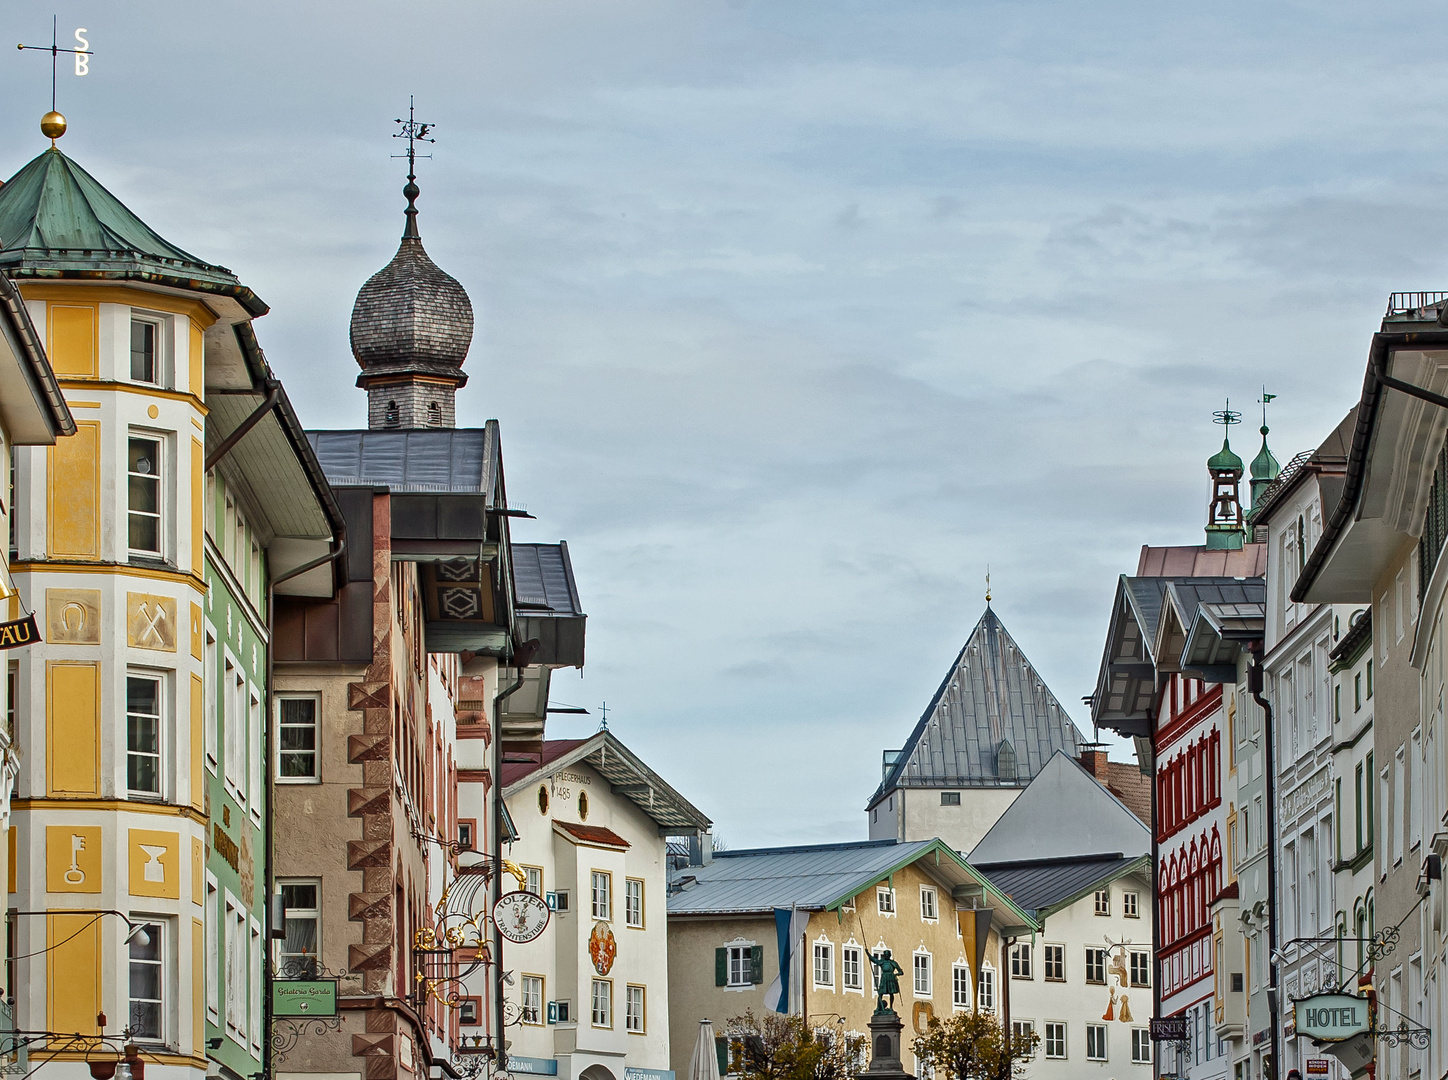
{"points": [[57, 220], [990, 697]]}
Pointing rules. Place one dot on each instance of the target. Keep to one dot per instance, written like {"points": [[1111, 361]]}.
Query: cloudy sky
{"points": [[797, 315]]}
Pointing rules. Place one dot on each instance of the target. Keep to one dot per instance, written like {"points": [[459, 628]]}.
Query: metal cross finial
{"points": [[987, 584], [603, 710], [414, 131], [82, 59]]}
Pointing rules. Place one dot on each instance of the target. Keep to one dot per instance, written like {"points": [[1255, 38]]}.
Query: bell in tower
{"points": [[1224, 517]]}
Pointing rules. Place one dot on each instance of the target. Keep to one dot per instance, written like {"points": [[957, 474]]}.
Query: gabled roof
{"points": [[991, 695], [1064, 814], [547, 602], [56, 220], [625, 772], [821, 877], [1045, 887]]}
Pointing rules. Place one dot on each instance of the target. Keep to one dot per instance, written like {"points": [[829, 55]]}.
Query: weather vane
{"points": [[603, 726], [1226, 417], [1264, 401], [987, 583], [414, 131], [52, 124]]}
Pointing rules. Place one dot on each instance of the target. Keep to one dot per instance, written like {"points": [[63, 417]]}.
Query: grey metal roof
{"points": [[453, 460], [990, 695], [543, 578], [1043, 886], [766, 878], [1065, 813]]}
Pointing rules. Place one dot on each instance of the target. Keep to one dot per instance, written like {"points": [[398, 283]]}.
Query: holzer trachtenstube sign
{"points": [[1331, 1017]]}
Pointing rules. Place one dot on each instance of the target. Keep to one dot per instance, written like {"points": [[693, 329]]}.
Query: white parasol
{"points": [[704, 1065]]}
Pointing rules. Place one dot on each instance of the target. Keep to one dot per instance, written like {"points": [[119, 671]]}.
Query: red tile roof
{"points": [[593, 834], [513, 771]]}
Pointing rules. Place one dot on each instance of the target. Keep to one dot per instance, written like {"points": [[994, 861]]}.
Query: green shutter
{"points": [[756, 964], [721, 1051], [721, 967]]}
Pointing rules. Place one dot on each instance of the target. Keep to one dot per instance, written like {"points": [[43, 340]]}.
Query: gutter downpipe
{"points": [[500, 1057], [339, 546], [1155, 884], [1255, 685], [273, 395]]}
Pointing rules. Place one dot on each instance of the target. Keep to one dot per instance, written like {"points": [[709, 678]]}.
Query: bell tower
{"points": [[1224, 515]]}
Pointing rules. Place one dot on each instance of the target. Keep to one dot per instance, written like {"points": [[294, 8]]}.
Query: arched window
{"points": [[391, 417], [434, 414]]}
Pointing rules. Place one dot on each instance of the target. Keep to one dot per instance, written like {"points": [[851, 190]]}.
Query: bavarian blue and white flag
{"points": [[789, 925]]}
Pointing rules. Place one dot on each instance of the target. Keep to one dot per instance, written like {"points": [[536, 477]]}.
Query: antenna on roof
{"points": [[603, 724]]}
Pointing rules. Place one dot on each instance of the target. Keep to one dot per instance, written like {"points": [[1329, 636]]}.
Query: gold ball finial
{"points": [[52, 125]]}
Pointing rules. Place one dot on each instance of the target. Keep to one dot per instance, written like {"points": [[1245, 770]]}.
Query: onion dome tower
{"points": [[1224, 517], [1264, 466], [411, 326]]}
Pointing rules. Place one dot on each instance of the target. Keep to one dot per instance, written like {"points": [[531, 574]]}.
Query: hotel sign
{"points": [[1331, 1017]]}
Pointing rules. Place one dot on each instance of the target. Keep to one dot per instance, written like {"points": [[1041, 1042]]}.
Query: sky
{"points": [[797, 316]]}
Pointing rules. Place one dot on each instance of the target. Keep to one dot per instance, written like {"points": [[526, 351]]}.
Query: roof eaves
{"points": [[1140, 864], [37, 367]]}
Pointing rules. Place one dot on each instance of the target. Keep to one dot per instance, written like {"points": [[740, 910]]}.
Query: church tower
{"points": [[1224, 517], [412, 324]]}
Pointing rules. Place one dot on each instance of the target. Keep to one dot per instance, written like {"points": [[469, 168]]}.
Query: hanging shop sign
{"points": [[1331, 1017], [1169, 1029], [521, 916], [21, 632], [1319, 1066], [304, 997]]}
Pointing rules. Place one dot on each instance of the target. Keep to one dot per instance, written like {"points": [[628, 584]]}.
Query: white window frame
{"points": [[822, 963], [533, 875], [852, 954], [634, 1019], [1100, 954], [1100, 1033], [1140, 1046], [233, 726], [1056, 1039], [1022, 962], [985, 992], [162, 734], [212, 914], [1143, 958], [315, 699], [254, 953], [255, 753], [1130, 905], [1023, 1027], [1049, 952], [163, 501], [162, 353], [922, 964], [633, 902], [885, 901], [301, 914], [234, 958], [211, 675], [739, 961], [605, 1000], [929, 904], [158, 930], [1102, 901], [532, 999], [960, 988], [601, 899]]}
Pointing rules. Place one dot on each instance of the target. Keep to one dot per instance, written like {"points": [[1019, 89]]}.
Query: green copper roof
{"points": [[1264, 465], [57, 221], [1224, 460]]}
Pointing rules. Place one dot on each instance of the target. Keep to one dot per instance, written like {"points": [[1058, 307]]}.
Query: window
{"points": [[1095, 965], [213, 971], [467, 836], [147, 982], [1103, 902], [922, 974], [1095, 1042], [1140, 1046], [143, 496], [1022, 1031], [234, 929], [633, 901], [1141, 969], [885, 901], [1357, 692], [254, 756], [602, 895], [255, 953], [233, 728], [560, 900], [297, 738], [143, 351], [1021, 961], [929, 910], [985, 993], [633, 1009], [824, 964], [1055, 963], [143, 735], [1370, 679], [950, 798], [301, 946], [741, 965], [1129, 905], [532, 999], [960, 986], [470, 1011], [560, 1012], [602, 1003], [210, 691], [852, 962], [1055, 1039], [1337, 703], [534, 877]]}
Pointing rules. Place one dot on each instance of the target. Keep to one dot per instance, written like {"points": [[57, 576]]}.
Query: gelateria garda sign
{"points": [[1331, 1017]]}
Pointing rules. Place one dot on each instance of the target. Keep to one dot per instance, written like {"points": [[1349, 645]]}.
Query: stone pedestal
{"points": [[885, 1029]]}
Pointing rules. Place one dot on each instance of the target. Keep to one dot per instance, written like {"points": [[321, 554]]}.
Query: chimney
{"points": [[701, 849], [1093, 758]]}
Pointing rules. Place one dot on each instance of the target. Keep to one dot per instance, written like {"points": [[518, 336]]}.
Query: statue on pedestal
{"points": [[887, 981]]}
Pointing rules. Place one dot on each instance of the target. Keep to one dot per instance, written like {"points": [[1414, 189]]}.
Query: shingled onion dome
{"points": [[411, 328]]}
